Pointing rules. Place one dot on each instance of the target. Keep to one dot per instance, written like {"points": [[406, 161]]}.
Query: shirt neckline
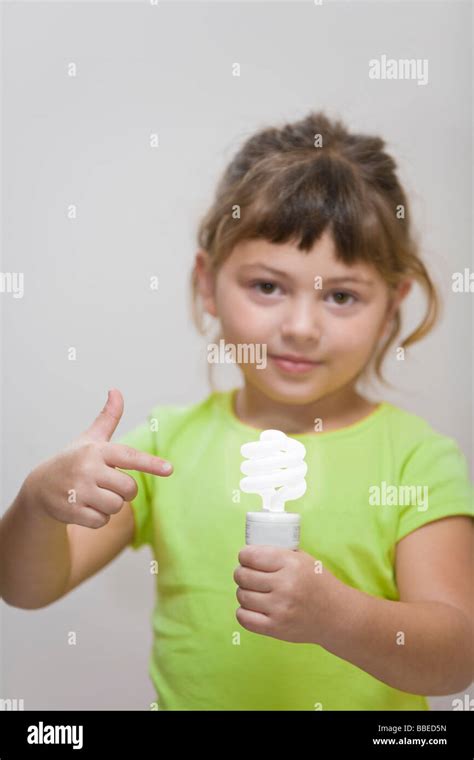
{"points": [[227, 401]]}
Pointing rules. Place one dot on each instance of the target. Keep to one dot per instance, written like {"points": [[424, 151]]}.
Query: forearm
{"points": [[417, 647], [34, 553]]}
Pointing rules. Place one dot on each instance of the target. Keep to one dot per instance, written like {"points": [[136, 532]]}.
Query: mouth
{"points": [[294, 364]]}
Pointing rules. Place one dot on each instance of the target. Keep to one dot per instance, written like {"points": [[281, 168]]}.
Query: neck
{"points": [[343, 407]]}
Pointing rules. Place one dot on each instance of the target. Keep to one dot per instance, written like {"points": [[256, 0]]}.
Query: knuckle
{"points": [[100, 521], [117, 505], [86, 461], [85, 470], [287, 590], [128, 452], [131, 489], [89, 447], [78, 496], [286, 611], [77, 518], [240, 617], [293, 562], [268, 628]]}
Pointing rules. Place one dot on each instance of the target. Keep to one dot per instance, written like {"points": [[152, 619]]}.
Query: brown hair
{"points": [[290, 183]]}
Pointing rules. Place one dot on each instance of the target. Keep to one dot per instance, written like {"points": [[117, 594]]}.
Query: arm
{"points": [[434, 570], [34, 554], [42, 559]]}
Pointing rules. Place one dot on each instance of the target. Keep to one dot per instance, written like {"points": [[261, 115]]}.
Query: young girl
{"points": [[305, 257]]}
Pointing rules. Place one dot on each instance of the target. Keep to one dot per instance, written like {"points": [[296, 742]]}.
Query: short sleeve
{"points": [[434, 483], [142, 439]]}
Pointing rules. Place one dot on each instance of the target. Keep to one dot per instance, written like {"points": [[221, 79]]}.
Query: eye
{"points": [[266, 286], [344, 293]]}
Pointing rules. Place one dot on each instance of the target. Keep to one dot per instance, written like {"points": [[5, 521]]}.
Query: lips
{"points": [[294, 365], [293, 358]]}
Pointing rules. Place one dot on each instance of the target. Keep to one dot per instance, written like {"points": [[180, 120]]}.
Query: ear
{"points": [[206, 281], [401, 292]]}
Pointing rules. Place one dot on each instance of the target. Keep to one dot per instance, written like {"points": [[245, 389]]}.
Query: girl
{"points": [[306, 254]]}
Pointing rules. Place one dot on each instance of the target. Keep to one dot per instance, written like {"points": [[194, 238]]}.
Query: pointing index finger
{"points": [[128, 458]]}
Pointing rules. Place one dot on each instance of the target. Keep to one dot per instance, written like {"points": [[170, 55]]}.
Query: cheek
{"points": [[239, 315], [354, 336], [229, 298], [252, 329]]}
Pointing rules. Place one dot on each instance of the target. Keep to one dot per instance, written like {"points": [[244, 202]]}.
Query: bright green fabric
{"points": [[201, 657]]}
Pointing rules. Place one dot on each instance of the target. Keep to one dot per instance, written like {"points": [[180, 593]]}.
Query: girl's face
{"points": [[307, 305]]}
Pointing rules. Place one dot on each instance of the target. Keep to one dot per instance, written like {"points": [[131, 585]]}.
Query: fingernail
{"points": [[166, 467]]}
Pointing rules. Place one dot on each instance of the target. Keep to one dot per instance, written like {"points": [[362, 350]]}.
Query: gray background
{"points": [[85, 140]]}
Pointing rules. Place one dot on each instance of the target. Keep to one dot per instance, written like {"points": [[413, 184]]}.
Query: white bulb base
{"points": [[273, 528]]}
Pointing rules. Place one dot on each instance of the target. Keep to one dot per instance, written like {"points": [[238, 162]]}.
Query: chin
{"points": [[291, 391]]}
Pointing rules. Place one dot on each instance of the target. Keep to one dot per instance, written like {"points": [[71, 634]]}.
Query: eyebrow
{"points": [[342, 278]]}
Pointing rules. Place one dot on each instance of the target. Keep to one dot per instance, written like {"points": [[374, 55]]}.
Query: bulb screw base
{"points": [[273, 528]]}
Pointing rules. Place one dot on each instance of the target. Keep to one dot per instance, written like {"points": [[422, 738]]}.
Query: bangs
{"points": [[282, 201]]}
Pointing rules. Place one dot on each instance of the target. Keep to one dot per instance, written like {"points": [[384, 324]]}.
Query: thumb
{"points": [[104, 425]]}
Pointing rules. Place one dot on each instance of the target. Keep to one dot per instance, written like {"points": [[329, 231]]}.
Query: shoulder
{"points": [[417, 440], [408, 426], [433, 473]]}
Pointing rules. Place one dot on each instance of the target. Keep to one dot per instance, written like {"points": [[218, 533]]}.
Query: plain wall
{"points": [[85, 140]]}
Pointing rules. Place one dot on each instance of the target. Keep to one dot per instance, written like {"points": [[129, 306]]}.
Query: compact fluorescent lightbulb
{"points": [[275, 469]]}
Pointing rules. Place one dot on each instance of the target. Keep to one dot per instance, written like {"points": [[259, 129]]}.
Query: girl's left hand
{"points": [[285, 594]]}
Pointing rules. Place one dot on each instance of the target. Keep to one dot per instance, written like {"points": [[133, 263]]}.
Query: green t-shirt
{"points": [[194, 520]]}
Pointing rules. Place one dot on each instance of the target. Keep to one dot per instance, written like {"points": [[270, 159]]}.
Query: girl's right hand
{"points": [[80, 484]]}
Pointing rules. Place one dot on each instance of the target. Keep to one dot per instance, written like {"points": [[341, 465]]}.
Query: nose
{"points": [[302, 321]]}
